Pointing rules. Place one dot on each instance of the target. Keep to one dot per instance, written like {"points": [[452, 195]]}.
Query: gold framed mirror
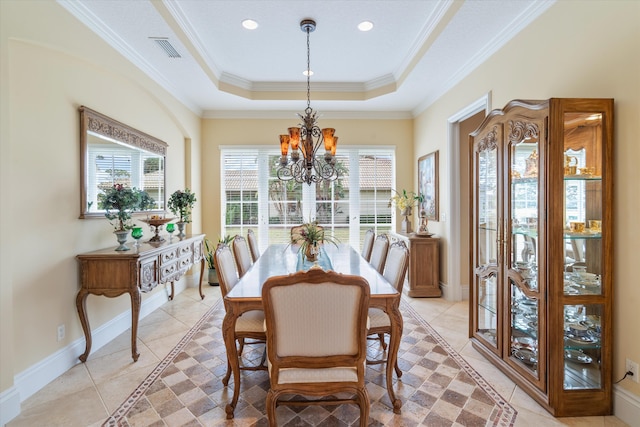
{"points": [[114, 153]]}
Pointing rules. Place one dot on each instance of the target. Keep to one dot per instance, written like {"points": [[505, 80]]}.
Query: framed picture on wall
{"points": [[428, 184]]}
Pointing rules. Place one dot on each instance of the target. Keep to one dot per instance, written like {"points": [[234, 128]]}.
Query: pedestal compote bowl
{"points": [[156, 225]]}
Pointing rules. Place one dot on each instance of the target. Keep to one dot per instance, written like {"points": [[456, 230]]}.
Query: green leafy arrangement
{"points": [[181, 203], [120, 202], [210, 249], [312, 234]]}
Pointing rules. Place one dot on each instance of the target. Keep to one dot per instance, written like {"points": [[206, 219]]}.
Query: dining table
{"points": [[283, 259]]}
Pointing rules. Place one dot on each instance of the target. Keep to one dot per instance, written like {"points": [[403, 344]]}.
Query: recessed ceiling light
{"points": [[365, 25], [249, 24]]}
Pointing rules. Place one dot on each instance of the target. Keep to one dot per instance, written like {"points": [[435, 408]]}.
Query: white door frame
{"points": [[455, 291]]}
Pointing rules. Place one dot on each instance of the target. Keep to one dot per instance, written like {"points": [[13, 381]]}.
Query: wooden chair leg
{"points": [[382, 342], [270, 406], [398, 371], [227, 376], [363, 403]]}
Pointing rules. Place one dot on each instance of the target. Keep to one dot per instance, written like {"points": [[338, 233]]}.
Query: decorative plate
{"points": [[526, 356], [577, 356]]}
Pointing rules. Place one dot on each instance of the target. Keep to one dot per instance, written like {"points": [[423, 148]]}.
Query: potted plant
{"points": [[311, 237], [181, 203], [213, 276], [120, 202]]}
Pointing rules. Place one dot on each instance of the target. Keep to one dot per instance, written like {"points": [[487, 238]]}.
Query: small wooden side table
{"points": [[424, 264]]}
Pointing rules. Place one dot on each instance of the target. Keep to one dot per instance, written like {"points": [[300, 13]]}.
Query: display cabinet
{"points": [[542, 250]]}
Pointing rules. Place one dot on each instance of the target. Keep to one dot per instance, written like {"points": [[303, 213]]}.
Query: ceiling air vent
{"points": [[164, 44]]}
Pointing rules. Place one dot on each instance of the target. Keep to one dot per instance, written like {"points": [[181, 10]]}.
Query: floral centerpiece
{"points": [[310, 237], [181, 203], [405, 201], [120, 202]]}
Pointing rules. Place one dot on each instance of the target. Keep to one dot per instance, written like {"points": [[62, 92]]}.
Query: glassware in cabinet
{"points": [[582, 346]]}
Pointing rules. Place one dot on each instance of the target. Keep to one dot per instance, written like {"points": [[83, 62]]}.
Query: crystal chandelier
{"points": [[307, 140]]}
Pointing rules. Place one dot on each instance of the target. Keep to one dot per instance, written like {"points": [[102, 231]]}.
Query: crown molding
{"points": [[509, 32], [282, 114], [92, 22]]}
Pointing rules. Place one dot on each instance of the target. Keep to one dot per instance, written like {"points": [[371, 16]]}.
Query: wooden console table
{"points": [[111, 274], [424, 264]]}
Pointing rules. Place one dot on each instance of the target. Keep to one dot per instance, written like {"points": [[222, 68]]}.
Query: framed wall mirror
{"points": [[114, 153]]}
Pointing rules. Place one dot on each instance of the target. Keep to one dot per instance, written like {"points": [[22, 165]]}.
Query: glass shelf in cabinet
{"points": [[581, 377], [528, 329], [531, 232], [493, 310], [587, 234], [526, 180], [487, 227], [582, 178]]}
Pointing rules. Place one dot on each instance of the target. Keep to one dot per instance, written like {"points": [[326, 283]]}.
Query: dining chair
{"points": [[379, 252], [395, 271], [253, 245], [250, 325], [242, 255], [316, 326], [367, 244]]}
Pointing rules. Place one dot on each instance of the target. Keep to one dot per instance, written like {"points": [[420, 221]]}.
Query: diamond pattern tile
{"points": [[437, 388]]}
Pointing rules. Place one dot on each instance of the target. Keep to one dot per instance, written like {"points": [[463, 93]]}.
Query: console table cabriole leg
{"points": [[202, 261], [81, 306], [136, 299]]}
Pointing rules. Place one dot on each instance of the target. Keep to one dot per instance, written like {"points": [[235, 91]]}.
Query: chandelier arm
{"points": [[324, 171]]}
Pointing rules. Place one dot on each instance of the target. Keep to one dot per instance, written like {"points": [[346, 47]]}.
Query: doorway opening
{"points": [[460, 125]]}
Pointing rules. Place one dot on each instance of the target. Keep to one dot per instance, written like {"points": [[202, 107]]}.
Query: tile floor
{"points": [[88, 393]]}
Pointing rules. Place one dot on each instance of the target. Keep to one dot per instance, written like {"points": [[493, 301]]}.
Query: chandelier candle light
{"points": [[307, 139]]}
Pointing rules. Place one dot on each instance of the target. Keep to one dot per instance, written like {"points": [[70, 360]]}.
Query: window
{"points": [[254, 197]]}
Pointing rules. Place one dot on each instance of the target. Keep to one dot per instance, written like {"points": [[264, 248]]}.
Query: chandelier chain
{"points": [[308, 71]]}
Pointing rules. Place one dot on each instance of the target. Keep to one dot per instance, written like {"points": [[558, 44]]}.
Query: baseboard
{"points": [[9, 405], [626, 406], [34, 378], [451, 294], [465, 292]]}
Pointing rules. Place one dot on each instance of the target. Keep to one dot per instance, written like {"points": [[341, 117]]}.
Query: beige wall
{"points": [[595, 53], [51, 65], [252, 132]]}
